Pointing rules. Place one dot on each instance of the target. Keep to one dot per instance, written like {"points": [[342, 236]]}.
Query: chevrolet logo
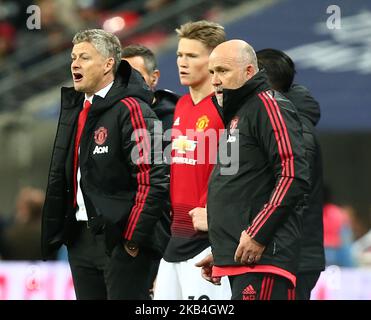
{"points": [[182, 145]]}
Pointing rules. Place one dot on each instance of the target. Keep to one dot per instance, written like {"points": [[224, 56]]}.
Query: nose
{"points": [[75, 64], [182, 62], [215, 80]]}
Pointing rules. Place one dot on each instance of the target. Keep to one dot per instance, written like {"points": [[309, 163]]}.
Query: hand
{"points": [[207, 265], [199, 218], [131, 248], [248, 251]]}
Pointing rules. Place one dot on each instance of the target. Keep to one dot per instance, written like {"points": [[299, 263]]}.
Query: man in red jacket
{"points": [[195, 134]]}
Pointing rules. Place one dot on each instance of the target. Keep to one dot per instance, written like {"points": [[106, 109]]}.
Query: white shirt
{"points": [[81, 214]]}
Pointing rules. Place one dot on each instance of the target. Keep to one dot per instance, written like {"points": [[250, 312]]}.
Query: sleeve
{"points": [[142, 146], [281, 138]]}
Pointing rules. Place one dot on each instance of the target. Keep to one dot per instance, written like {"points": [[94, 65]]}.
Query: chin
{"points": [[184, 82], [79, 88]]}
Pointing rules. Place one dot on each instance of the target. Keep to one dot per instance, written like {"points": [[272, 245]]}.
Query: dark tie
{"points": [[80, 128]]}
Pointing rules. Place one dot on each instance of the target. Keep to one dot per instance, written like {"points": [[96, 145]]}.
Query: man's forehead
{"points": [[191, 45], [220, 61], [83, 47], [135, 60]]}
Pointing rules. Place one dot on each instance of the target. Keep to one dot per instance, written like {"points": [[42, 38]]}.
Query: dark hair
{"points": [[137, 50], [279, 67]]}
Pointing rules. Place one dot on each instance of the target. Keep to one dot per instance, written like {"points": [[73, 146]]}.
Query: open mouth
{"points": [[77, 76], [218, 90]]}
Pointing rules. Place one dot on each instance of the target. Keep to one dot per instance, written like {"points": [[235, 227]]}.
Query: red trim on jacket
{"points": [[287, 160], [143, 145], [221, 271]]}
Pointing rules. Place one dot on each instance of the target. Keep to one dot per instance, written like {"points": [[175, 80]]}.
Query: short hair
{"points": [[137, 50], [106, 43], [279, 67], [211, 34], [251, 55]]}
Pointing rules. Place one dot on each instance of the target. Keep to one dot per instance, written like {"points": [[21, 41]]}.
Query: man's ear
{"points": [[250, 71], [155, 76], [110, 62]]}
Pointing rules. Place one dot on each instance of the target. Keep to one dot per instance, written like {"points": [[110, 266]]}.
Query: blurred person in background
{"points": [[52, 37], [280, 70], [143, 60], [21, 238], [359, 223], [337, 233], [106, 199], [361, 251], [53, 28], [193, 158], [7, 39]]}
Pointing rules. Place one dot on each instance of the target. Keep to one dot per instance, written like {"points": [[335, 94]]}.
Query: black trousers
{"points": [[261, 286], [305, 282], [98, 276]]}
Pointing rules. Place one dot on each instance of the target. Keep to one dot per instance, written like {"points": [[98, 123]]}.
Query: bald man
{"points": [[254, 211]]}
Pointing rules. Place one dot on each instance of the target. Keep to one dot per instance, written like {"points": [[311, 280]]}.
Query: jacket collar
{"points": [[304, 102], [233, 99]]}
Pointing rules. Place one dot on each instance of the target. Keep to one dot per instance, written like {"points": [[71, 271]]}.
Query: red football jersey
{"points": [[195, 136]]}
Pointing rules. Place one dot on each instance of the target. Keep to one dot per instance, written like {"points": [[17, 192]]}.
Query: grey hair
{"points": [[106, 43], [251, 56]]}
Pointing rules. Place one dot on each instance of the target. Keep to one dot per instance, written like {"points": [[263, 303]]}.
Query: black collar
{"points": [[233, 99]]}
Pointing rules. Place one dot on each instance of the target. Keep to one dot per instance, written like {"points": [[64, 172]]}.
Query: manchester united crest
{"points": [[100, 135], [202, 123], [233, 125]]}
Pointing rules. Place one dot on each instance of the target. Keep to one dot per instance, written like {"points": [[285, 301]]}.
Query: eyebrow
{"points": [[80, 54], [218, 68], [187, 53]]}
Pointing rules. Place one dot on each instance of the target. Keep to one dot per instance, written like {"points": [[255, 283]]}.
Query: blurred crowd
{"points": [[60, 19], [347, 234]]}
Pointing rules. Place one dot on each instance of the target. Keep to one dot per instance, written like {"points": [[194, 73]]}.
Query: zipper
{"points": [[274, 248]]}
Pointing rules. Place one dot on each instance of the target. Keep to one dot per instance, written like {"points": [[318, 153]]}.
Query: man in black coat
{"points": [[106, 199], [281, 72], [143, 60], [258, 187]]}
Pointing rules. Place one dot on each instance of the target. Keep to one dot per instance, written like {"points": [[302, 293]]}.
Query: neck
{"points": [[105, 82], [200, 92]]}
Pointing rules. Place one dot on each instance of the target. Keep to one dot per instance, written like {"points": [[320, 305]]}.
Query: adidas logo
{"points": [[249, 293], [176, 122], [249, 290]]}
